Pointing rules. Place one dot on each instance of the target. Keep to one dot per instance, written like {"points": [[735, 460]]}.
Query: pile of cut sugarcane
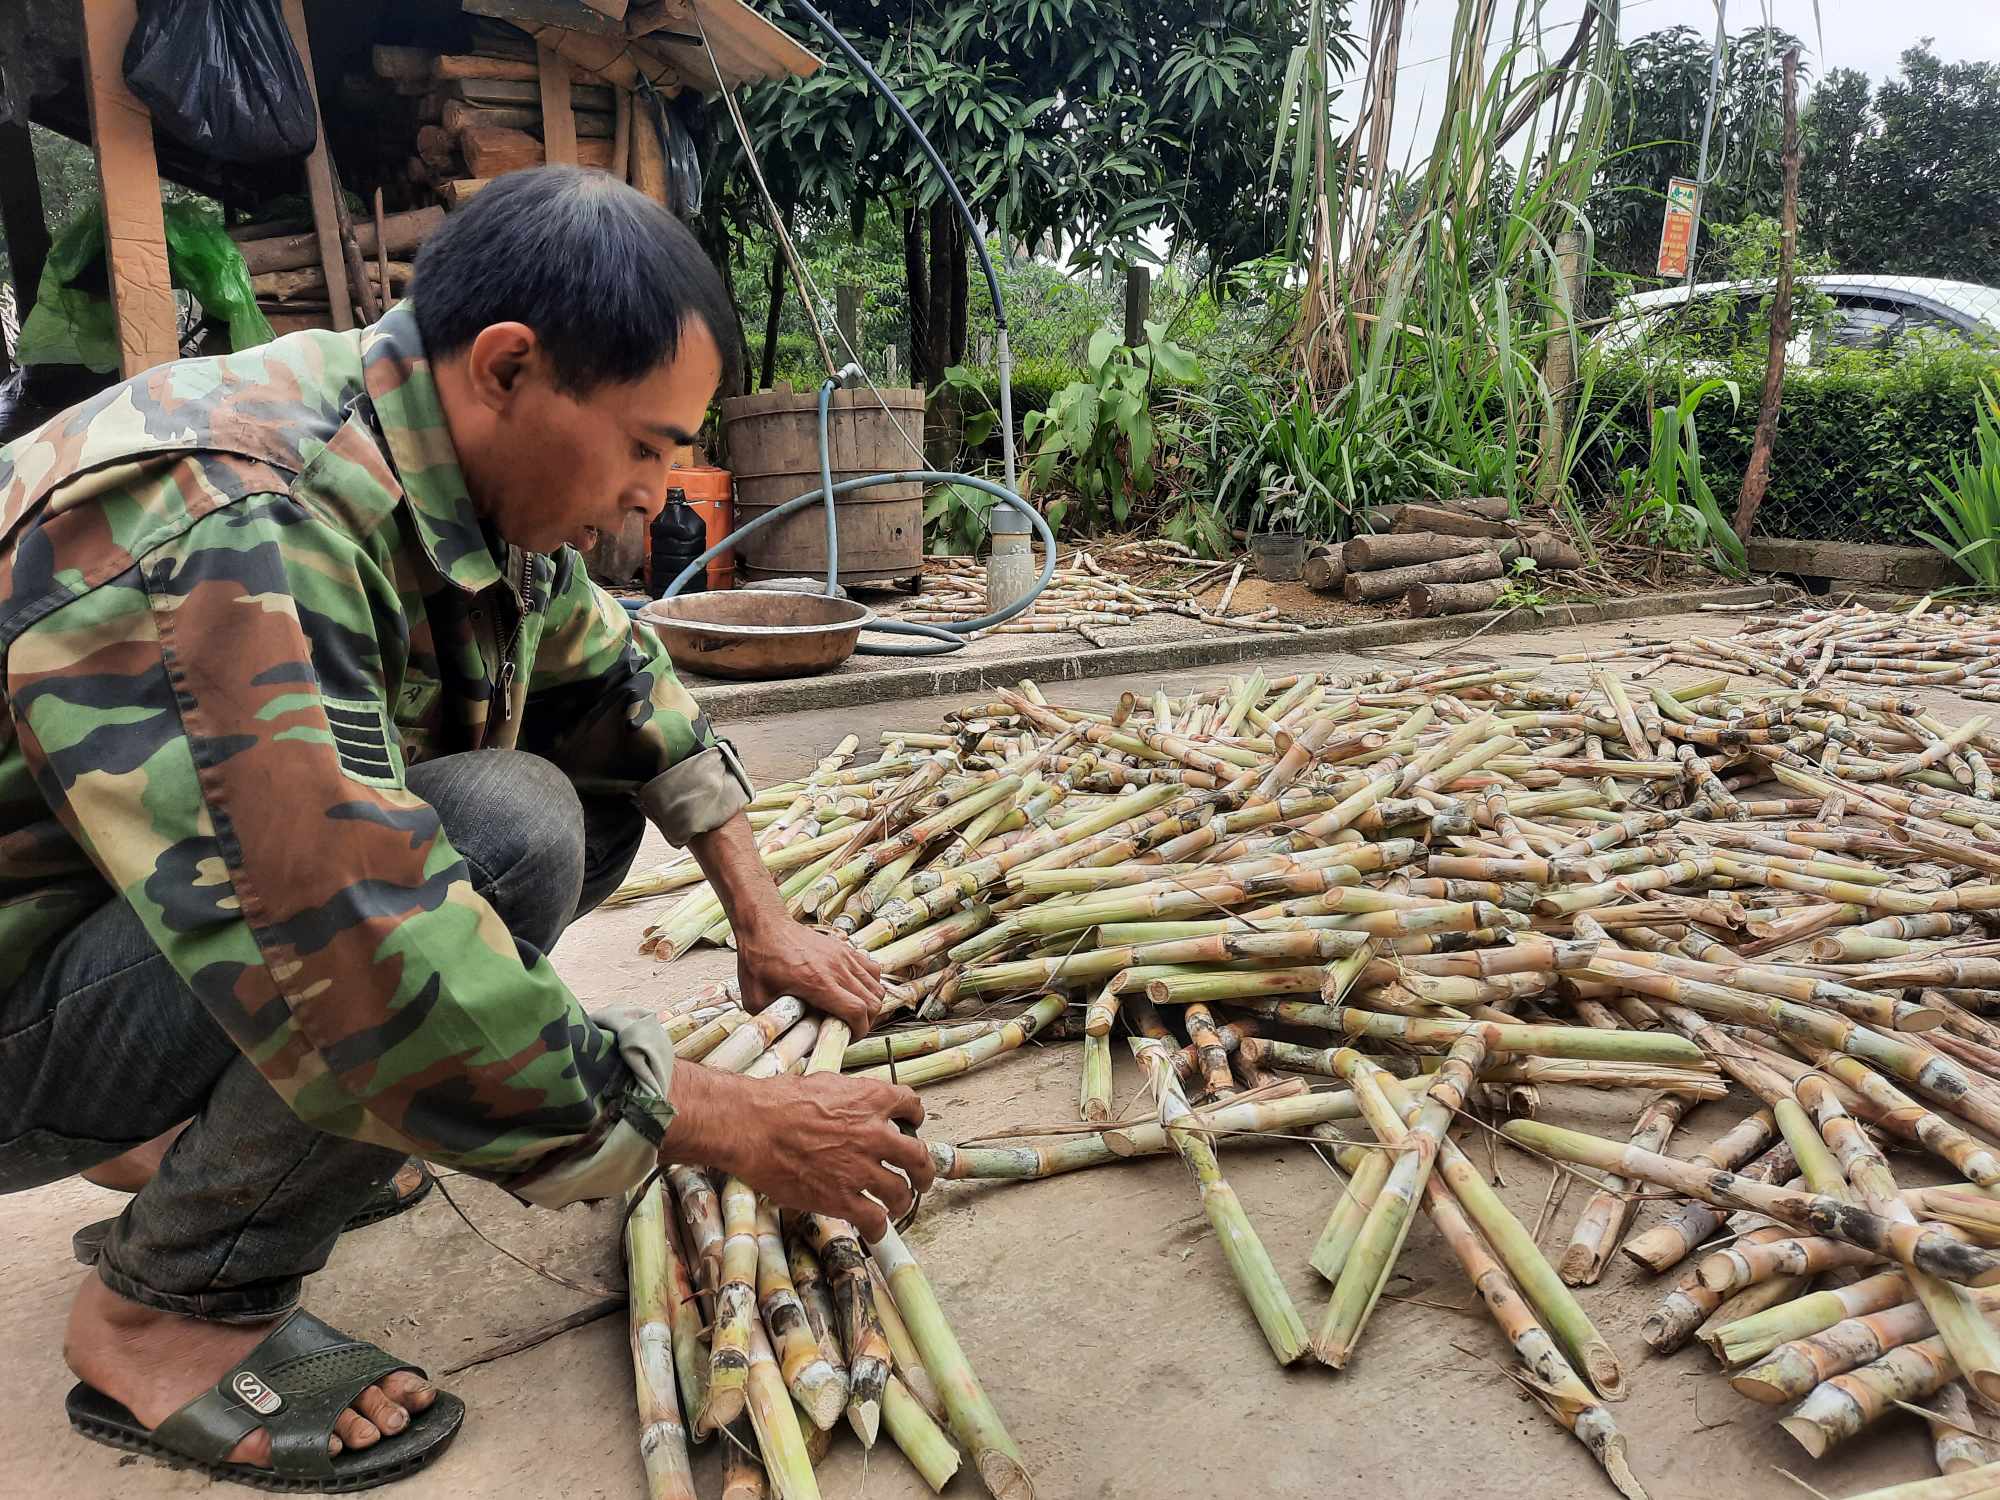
{"points": [[1424, 902], [1933, 643], [1089, 595]]}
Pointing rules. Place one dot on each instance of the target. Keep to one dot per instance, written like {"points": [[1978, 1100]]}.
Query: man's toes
{"points": [[382, 1411], [355, 1430], [255, 1449], [409, 1390]]}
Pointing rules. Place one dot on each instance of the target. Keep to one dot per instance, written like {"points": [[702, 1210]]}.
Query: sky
{"points": [[1869, 35]]}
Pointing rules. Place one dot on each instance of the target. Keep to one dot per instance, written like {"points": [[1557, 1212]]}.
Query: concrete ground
{"points": [[1096, 1307]]}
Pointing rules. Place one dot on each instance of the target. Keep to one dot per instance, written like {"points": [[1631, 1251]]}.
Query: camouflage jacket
{"points": [[238, 597]]}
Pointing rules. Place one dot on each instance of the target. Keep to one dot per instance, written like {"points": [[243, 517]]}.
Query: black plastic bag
{"points": [[222, 76]]}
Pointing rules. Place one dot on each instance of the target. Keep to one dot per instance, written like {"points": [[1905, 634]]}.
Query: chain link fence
{"points": [[1881, 377]]}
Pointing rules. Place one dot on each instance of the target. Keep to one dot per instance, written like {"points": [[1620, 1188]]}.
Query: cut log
{"points": [[1450, 522], [1492, 507], [1551, 553], [1325, 569], [526, 94], [493, 153], [308, 283], [1390, 582], [407, 230], [454, 65], [461, 190], [437, 152], [1399, 549], [489, 153], [1454, 598], [458, 116]]}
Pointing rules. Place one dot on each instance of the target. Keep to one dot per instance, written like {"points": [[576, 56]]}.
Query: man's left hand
{"points": [[827, 972]]}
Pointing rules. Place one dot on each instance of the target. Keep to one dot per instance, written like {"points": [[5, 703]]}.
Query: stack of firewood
{"points": [[284, 264], [451, 122], [1441, 557]]}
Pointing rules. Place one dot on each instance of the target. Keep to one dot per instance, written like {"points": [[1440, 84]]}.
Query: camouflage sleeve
{"points": [[605, 705], [182, 721]]}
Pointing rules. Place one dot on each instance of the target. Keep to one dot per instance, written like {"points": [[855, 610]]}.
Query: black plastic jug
{"points": [[679, 537]]}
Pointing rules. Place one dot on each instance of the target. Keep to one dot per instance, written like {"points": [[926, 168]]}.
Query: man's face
{"points": [[546, 466]]}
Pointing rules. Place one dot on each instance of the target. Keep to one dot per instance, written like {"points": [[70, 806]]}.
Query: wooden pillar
{"points": [[1559, 363], [319, 187], [135, 232], [21, 213], [1138, 304], [558, 124]]}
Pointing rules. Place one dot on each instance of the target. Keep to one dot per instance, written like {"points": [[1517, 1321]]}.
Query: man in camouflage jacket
{"points": [[314, 735]]}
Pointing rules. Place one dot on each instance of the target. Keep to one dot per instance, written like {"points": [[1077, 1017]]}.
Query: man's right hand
{"points": [[825, 1144]]}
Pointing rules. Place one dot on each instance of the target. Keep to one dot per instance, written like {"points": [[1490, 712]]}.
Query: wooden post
{"points": [[847, 317], [319, 184], [1138, 304], [135, 231], [558, 124], [21, 214], [621, 135], [1559, 363], [1758, 472], [383, 294]]}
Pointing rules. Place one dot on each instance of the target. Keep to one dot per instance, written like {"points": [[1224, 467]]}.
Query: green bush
{"points": [[1855, 440]]}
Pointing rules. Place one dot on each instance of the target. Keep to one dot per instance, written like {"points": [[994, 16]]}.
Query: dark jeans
{"points": [[105, 1049]]}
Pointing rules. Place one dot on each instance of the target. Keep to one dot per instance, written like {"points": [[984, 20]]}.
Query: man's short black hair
{"points": [[606, 277]]}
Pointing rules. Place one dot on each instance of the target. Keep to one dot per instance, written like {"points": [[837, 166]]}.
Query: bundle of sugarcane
{"points": [[1438, 891]]}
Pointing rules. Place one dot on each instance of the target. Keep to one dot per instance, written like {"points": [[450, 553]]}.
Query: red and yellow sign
{"points": [[1677, 228]]}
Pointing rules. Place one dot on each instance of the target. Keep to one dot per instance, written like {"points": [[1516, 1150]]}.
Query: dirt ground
{"points": [[1096, 1307]]}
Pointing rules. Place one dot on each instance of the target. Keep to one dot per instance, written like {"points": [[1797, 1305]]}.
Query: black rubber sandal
{"points": [[88, 1242], [294, 1385]]}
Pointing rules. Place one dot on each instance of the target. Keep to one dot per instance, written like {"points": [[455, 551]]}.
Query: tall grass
{"points": [[1434, 297]]}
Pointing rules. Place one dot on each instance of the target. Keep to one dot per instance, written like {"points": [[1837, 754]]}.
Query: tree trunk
{"points": [[916, 283], [773, 317], [938, 355], [1400, 549], [1389, 582], [1454, 598], [714, 232], [959, 290], [1758, 473]]}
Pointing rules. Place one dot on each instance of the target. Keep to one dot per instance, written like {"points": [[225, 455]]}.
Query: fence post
{"points": [[1757, 474], [1559, 364], [847, 317], [1138, 304], [892, 366]]}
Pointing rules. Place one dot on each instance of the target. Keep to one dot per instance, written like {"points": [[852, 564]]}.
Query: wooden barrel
{"points": [[773, 444]]}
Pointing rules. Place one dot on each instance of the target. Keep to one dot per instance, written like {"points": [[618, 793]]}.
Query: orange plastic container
{"points": [[710, 492]]}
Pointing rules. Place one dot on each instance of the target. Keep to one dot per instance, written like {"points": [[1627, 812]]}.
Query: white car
{"points": [[1868, 312]]}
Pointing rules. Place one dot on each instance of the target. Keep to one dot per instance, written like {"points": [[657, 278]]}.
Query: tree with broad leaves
{"points": [[1073, 124], [1908, 180], [1656, 133]]}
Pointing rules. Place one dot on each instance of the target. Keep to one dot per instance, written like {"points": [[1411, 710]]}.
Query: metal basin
{"points": [[754, 634]]}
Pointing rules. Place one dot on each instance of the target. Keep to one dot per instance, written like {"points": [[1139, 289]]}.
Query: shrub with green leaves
{"points": [[1968, 508], [1095, 442], [1857, 440]]}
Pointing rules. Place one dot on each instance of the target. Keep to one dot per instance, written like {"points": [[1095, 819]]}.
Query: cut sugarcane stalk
{"points": [[649, 1287], [973, 1419], [1248, 1261]]}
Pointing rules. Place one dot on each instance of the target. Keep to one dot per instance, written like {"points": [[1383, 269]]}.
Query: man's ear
{"points": [[500, 356]]}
